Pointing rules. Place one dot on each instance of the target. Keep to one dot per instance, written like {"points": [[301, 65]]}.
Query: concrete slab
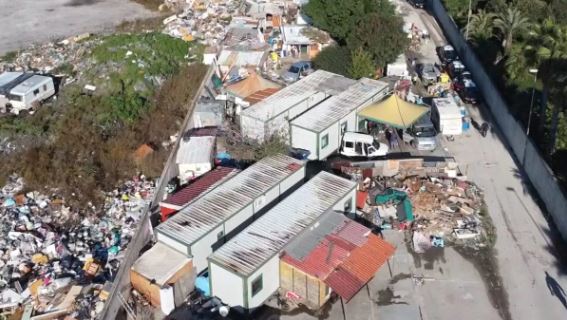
{"points": [[25, 22]]}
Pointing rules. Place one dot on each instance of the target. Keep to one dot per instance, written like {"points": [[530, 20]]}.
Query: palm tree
{"points": [[546, 40], [481, 26], [554, 77], [516, 63], [509, 23]]}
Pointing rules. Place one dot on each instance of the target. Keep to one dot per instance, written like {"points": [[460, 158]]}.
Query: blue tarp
{"points": [[202, 284]]}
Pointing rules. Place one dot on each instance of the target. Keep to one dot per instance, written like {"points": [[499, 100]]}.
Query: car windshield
{"points": [[376, 144], [425, 132], [294, 69]]}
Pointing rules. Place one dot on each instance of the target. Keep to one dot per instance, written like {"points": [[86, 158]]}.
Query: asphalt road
{"points": [[24, 22], [532, 274]]}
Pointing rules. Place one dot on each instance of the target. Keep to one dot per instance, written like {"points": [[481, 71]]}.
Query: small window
{"points": [[257, 285], [44, 87], [324, 141], [36, 92], [349, 144], [348, 205], [344, 127], [220, 235]]}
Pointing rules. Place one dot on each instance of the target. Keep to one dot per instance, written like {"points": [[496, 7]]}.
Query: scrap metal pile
{"points": [[54, 259], [445, 208]]}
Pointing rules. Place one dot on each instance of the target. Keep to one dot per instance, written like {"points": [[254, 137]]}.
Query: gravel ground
{"points": [[25, 22]]}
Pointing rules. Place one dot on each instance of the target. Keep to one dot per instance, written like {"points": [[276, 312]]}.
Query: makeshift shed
{"points": [[196, 189], [272, 115], [246, 270], [253, 83], [195, 157], [394, 112], [337, 254], [164, 276], [208, 113], [320, 130], [208, 222]]}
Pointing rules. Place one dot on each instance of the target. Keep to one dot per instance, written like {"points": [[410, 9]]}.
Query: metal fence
{"points": [[526, 153], [121, 287]]}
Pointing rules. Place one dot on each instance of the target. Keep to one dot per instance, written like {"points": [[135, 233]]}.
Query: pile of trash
{"points": [[206, 23], [446, 209], [52, 56], [54, 259]]}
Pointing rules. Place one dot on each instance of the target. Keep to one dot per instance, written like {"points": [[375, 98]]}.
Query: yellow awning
{"points": [[394, 112]]}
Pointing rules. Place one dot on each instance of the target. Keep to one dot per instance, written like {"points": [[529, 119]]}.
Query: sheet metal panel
{"points": [[204, 214], [268, 235]]}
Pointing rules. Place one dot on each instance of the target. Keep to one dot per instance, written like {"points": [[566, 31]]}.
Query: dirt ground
{"points": [[25, 22]]}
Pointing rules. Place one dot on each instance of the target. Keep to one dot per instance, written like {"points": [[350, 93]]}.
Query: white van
{"points": [[361, 145]]}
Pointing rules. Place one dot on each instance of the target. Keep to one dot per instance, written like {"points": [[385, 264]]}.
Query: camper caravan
{"points": [[447, 116], [20, 91]]}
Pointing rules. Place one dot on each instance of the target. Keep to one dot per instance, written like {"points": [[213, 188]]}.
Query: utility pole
{"points": [[534, 72]]}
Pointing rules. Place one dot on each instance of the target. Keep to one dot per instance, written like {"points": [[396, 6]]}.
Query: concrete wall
{"points": [[144, 234], [525, 152]]}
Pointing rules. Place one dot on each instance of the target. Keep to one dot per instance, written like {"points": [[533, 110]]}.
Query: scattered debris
{"points": [[61, 260]]}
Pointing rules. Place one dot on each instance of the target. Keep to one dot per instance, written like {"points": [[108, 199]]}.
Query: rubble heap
{"points": [[56, 259], [444, 208], [52, 56]]}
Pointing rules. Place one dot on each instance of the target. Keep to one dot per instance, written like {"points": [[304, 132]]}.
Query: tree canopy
{"points": [[334, 59], [381, 35]]}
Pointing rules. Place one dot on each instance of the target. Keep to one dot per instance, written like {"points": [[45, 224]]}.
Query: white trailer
{"points": [[21, 91], [320, 129], [208, 222], [272, 115], [245, 271], [447, 117], [398, 68], [195, 157]]}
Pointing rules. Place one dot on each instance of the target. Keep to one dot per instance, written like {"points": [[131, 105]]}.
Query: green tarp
{"points": [[397, 197]]}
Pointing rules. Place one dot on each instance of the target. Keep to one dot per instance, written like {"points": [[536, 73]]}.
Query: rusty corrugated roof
{"points": [[364, 261], [344, 284], [260, 95]]}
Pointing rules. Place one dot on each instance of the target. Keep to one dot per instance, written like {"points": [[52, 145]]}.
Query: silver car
{"points": [[428, 73], [297, 71]]}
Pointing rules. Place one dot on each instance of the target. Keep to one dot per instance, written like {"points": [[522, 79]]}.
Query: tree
{"points": [[380, 35], [509, 23], [553, 73], [481, 26], [362, 64], [547, 40], [334, 59], [516, 63], [338, 17]]}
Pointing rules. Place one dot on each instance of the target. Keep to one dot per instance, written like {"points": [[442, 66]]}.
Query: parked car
{"points": [[421, 135], [361, 145], [297, 71], [447, 54], [466, 88], [428, 73], [455, 68], [417, 3]]}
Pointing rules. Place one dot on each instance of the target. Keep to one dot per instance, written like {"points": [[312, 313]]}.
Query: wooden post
{"points": [[389, 268], [343, 308]]}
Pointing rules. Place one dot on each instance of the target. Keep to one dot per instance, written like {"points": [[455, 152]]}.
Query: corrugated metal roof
{"points": [[195, 150], [202, 185], [267, 236], [260, 95], [344, 284], [337, 107], [241, 58], [283, 100], [212, 209], [364, 261], [345, 259]]}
